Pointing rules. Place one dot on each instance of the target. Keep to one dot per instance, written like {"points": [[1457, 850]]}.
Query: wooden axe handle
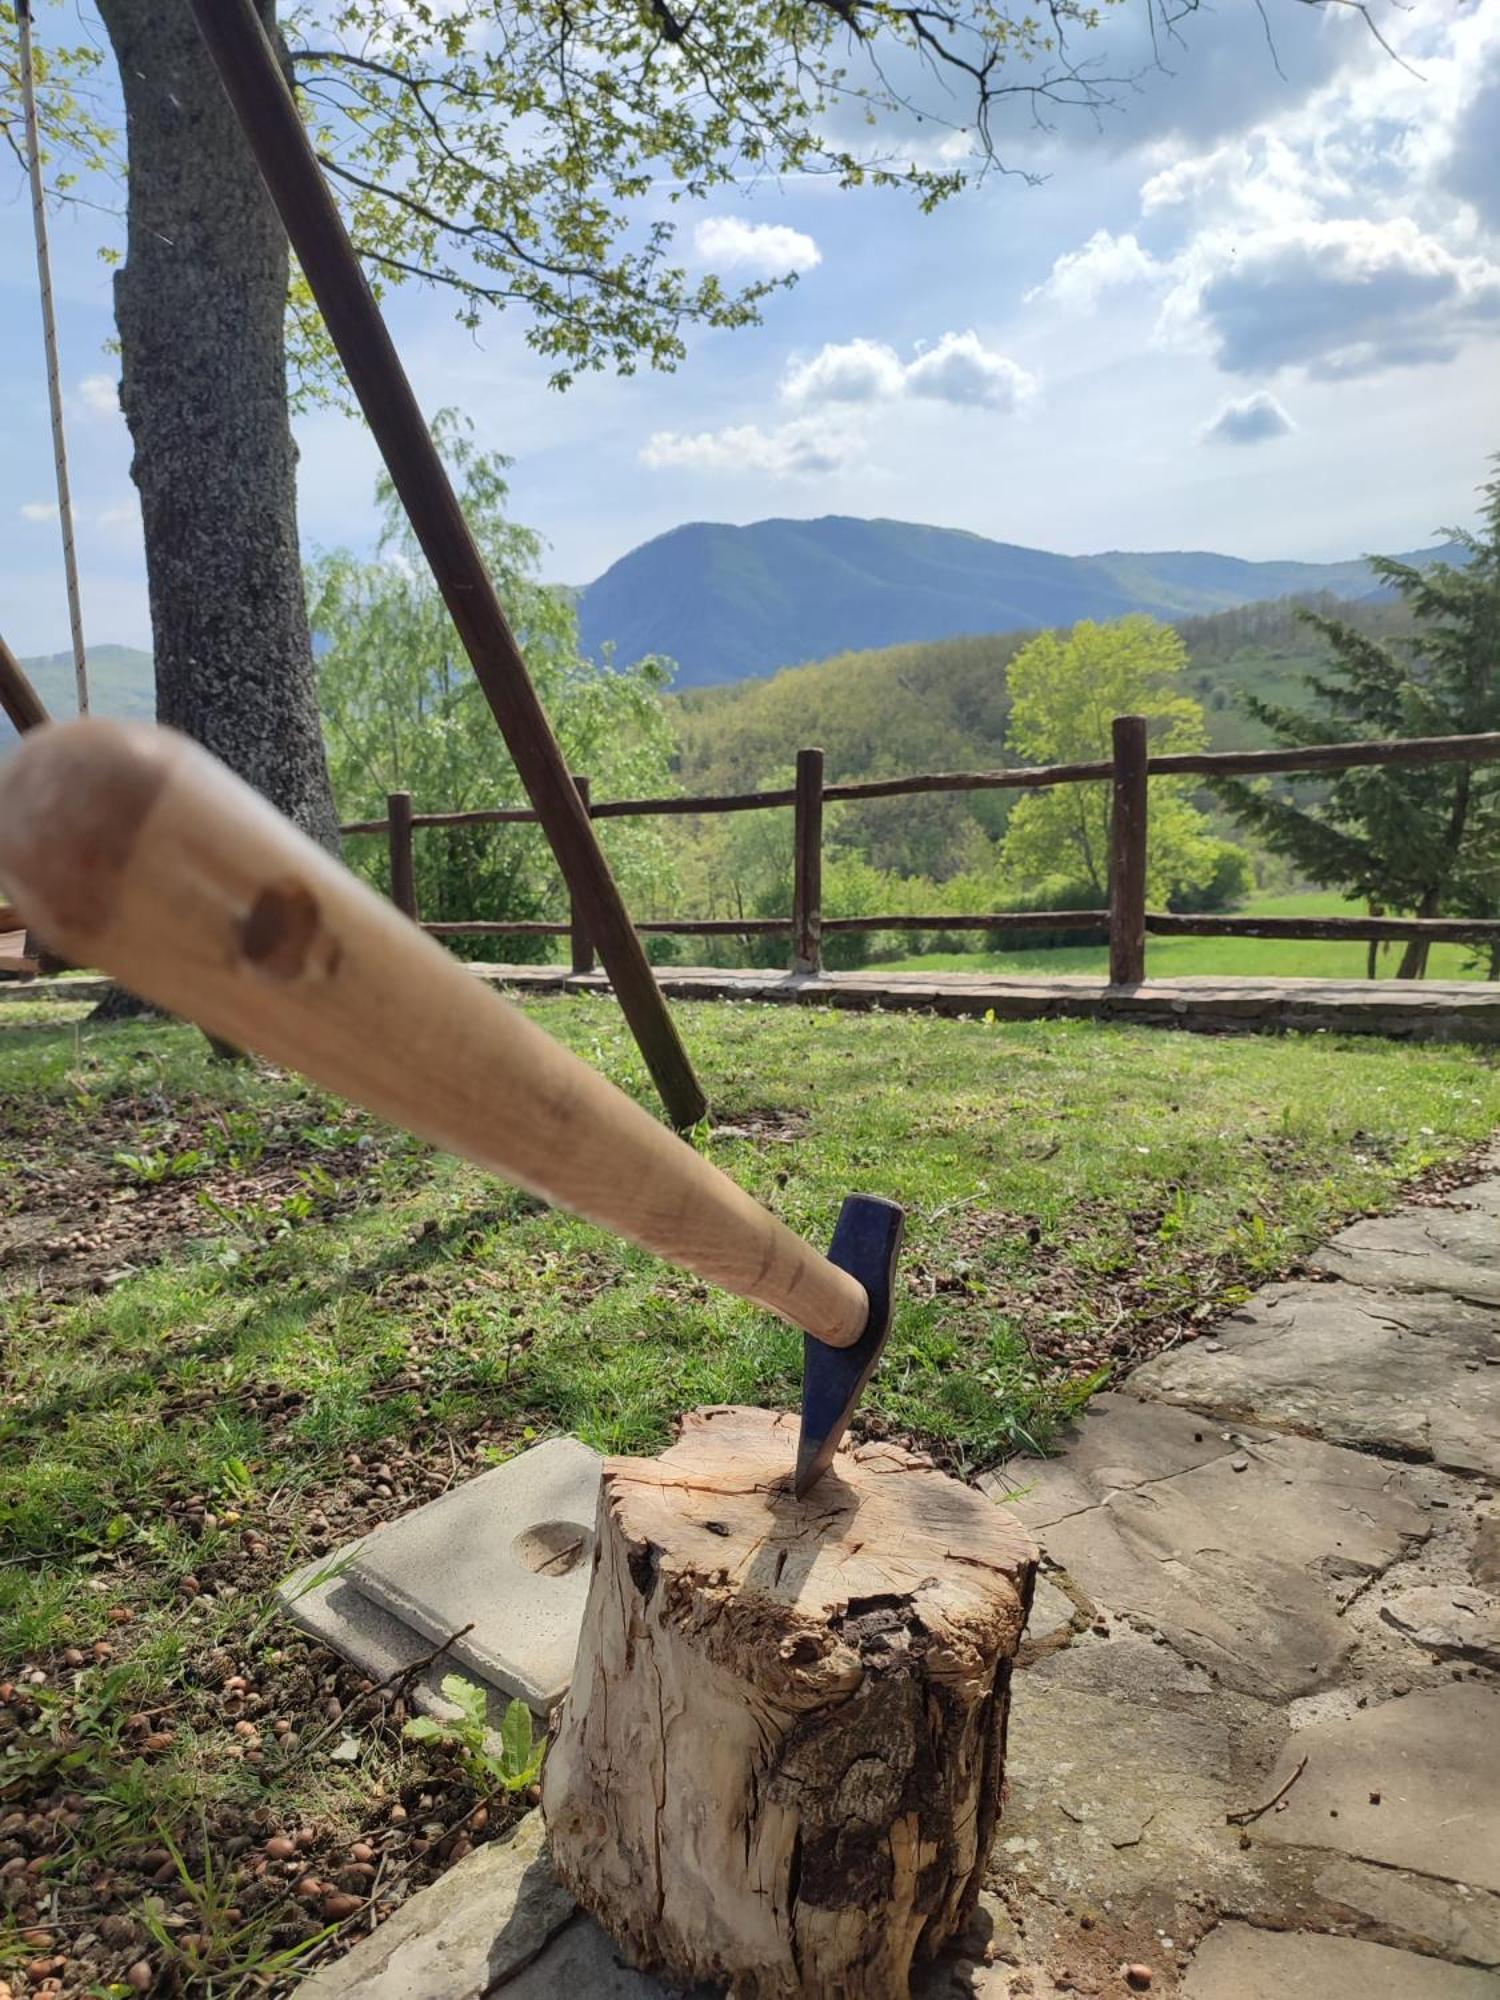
{"points": [[130, 848]]}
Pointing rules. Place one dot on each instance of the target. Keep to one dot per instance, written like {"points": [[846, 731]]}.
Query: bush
{"points": [[1232, 880]]}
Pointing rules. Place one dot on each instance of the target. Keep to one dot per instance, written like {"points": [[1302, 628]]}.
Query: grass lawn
{"points": [[1206, 957], [244, 1322]]}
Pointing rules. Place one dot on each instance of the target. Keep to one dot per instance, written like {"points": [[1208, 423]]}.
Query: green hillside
{"points": [[120, 684], [943, 705], [734, 603]]}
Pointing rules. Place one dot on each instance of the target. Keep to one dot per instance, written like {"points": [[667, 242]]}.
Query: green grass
{"points": [[315, 1296], [1208, 957]]}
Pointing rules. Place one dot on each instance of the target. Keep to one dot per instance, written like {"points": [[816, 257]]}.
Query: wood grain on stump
{"points": [[779, 1765]]}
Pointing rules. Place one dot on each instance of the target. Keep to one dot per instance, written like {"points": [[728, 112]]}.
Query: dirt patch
{"points": [[267, 1717], [136, 1187]]}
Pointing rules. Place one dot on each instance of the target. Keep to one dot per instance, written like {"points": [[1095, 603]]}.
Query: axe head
{"points": [[866, 1244]]}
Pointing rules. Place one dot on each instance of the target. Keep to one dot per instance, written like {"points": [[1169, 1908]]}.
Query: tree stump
{"points": [[779, 1765]]}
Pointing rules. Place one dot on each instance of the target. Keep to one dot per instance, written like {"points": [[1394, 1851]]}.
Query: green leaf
{"points": [[467, 1698], [516, 1742], [422, 1729]]}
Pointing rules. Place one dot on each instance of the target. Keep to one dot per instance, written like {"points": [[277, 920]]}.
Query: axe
{"points": [[130, 848]]}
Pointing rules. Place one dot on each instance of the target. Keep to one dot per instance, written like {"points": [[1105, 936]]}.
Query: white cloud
{"points": [[38, 510], [961, 369], [1104, 262], [850, 371], [101, 394], [1346, 236], [805, 446], [1252, 420], [957, 368], [1335, 298], [766, 248]]}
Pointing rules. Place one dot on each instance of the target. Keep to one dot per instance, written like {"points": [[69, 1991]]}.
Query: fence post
{"points": [[403, 864], [807, 865], [582, 943], [1127, 854]]}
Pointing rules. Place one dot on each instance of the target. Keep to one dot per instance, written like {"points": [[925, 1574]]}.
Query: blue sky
{"points": [[1256, 308]]}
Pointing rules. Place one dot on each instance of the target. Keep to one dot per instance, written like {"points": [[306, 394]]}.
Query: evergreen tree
{"points": [[1422, 840]]}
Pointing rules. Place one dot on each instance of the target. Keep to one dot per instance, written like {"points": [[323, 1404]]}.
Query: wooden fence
{"points": [[1127, 920]]}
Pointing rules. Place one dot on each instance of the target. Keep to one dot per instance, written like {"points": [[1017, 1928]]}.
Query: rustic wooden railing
{"points": [[1128, 922]]}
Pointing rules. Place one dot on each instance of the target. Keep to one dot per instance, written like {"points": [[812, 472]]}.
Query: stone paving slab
{"points": [[1413, 1783], [1392, 1906], [1430, 1010], [1414, 1375], [1454, 1248], [509, 1553], [1240, 1548], [1225, 1595], [476, 1927], [1238, 1962]]}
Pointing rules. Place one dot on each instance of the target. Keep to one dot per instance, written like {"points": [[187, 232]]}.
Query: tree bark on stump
{"points": [[780, 1762]]}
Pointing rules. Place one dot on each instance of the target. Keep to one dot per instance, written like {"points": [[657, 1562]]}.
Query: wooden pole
{"points": [[578, 930], [18, 697], [49, 345], [1127, 870], [807, 881], [403, 861], [262, 99], [24, 706]]}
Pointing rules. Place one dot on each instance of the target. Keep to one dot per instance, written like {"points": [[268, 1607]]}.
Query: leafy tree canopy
{"points": [[535, 153], [1066, 689], [402, 710]]}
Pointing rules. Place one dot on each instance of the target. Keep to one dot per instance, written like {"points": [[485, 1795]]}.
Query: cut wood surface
{"points": [[779, 1765]]}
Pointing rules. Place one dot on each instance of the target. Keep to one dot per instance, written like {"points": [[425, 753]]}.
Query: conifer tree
{"points": [[1419, 840]]}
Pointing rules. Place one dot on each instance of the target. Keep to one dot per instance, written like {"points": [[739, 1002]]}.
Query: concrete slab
{"points": [[1414, 1374], [1451, 1249], [1241, 1549], [1412, 1784], [475, 1928], [337, 1613], [1238, 1962], [509, 1553]]}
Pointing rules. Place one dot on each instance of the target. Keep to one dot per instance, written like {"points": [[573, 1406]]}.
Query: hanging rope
{"points": [[49, 335]]}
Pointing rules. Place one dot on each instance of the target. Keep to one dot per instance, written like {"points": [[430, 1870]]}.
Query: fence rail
{"points": [[1127, 921]]}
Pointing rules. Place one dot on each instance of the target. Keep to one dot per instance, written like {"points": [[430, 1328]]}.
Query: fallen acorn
{"points": [[309, 1889], [280, 1848], [140, 1978], [340, 1905]]}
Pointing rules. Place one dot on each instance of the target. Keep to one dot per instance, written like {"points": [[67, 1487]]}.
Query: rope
{"points": [[49, 335]]}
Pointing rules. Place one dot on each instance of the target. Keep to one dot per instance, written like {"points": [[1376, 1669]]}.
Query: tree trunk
{"points": [[200, 305], [779, 1765]]}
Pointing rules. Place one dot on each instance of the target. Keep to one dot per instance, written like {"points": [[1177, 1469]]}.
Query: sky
{"points": [[1253, 306]]}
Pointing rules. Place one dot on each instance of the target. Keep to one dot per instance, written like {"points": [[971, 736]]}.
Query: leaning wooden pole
{"points": [[262, 99], [18, 697]]}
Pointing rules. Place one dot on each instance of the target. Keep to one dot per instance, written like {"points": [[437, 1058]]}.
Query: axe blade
{"points": [[866, 1244]]}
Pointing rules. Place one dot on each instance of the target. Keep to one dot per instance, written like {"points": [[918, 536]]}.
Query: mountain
{"points": [[732, 604], [120, 684]]}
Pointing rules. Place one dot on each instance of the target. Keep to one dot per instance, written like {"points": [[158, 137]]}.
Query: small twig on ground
{"points": [[399, 1681], [1256, 1812]]}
